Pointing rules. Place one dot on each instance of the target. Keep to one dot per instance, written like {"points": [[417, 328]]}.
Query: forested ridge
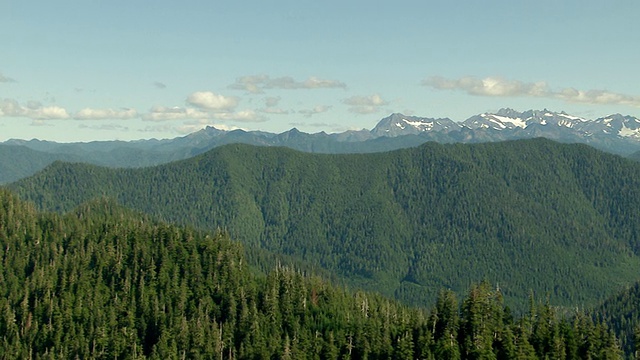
{"points": [[528, 215], [105, 282], [18, 162]]}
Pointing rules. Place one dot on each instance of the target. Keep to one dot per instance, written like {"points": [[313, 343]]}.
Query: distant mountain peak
{"points": [[398, 124], [509, 119], [508, 112], [625, 126]]}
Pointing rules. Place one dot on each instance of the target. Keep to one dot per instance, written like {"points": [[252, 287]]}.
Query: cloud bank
{"points": [[33, 110], [499, 87], [211, 101], [200, 105]]}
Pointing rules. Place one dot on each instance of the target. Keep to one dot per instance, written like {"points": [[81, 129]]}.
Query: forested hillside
{"points": [[525, 215], [635, 156], [622, 313], [104, 282], [18, 162]]}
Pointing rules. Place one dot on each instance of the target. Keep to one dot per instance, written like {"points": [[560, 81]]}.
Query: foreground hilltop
{"points": [[105, 282], [527, 215]]}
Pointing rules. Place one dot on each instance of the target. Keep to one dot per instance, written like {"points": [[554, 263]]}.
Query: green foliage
{"points": [[18, 162], [104, 282], [559, 219], [621, 312]]}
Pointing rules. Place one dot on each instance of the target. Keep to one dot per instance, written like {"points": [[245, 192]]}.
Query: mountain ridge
{"points": [[616, 133], [396, 222]]}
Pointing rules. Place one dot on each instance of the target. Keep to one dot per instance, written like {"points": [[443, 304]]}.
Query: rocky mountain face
{"points": [[511, 120], [615, 133], [399, 124]]}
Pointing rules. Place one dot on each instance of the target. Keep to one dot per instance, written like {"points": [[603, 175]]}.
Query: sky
{"points": [[88, 70]]}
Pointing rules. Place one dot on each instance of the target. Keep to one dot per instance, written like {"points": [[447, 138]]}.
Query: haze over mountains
{"points": [[616, 133]]}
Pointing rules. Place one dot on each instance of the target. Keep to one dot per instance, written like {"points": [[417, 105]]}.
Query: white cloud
{"points": [[499, 87], [256, 84], [33, 110], [104, 114], [490, 86], [316, 83], [163, 113], [600, 97], [365, 104], [50, 112], [10, 107], [212, 102], [315, 110]]}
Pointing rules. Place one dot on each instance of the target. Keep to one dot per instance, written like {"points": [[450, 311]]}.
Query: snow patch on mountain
{"points": [[571, 117], [628, 132], [518, 122], [423, 125]]}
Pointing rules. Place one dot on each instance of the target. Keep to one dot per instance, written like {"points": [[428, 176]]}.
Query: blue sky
{"points": [[98, 70]]}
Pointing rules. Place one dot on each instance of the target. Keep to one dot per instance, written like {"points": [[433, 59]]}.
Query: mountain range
{"points": [[531, 216], [616, 133], [558, 219]]}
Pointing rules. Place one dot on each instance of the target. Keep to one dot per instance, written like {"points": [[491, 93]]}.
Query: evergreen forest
{"points": [[104, 282], [560, 220]]}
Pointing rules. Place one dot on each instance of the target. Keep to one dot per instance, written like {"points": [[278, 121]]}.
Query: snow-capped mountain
{"points": [[615, 133], [510, 119], [399, 124], [532, 122], [624, 126], [503, 119]]}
